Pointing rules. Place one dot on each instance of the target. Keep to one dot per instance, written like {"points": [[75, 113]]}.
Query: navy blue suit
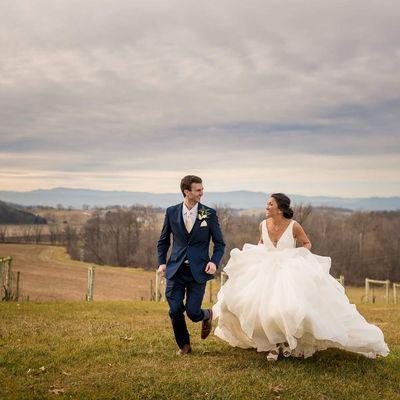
{"points": [[188, 279]]}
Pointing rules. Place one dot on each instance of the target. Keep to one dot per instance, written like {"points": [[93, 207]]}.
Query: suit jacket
{"points": [[192, 246]]}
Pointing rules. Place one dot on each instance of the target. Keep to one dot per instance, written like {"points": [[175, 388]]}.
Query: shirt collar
{"points": [[193, 210]]}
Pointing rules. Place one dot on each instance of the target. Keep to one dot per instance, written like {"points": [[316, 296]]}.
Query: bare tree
{"points": [[361, 244], [301, 212], [3, 233], [225, 216], [37, 233], [92, 239]]}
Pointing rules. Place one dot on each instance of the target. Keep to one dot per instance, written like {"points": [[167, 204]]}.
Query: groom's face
{"points": [[195, 193]]}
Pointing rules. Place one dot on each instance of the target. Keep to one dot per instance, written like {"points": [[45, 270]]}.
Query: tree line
{"points": [[361, 244]]}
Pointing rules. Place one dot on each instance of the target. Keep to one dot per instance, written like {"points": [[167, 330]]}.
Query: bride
{"points": [[281, 299]]}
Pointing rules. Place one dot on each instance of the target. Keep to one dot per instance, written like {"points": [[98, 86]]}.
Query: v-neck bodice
{"points": [[286, 241]]}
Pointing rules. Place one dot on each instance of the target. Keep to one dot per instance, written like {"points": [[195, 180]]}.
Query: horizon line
{"points": [[178, 192]]}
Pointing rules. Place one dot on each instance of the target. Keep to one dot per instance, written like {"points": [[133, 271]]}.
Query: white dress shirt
{"points": [[192, 213]]}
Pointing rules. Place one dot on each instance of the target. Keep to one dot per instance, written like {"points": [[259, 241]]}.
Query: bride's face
{"points": [[272, 208]]}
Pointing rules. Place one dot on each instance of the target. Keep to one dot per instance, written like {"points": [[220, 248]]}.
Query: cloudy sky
{"points": [[294, 96]]}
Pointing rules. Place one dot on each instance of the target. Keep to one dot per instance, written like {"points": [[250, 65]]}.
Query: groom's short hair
{"points": [[186, 182]]}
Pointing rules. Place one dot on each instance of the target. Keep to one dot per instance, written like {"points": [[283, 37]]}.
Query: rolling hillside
{"points": [[47, 273], [10, 214]]}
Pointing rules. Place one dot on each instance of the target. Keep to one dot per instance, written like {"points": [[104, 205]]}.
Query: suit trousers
{"points": [[183, 284]]}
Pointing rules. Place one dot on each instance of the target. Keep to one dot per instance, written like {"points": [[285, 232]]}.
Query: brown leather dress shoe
{"points": [[206, 326], [186, 349]]}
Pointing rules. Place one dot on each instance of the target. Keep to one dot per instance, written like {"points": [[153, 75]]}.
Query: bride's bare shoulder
{"points": [[297, 228], [295, 224]]}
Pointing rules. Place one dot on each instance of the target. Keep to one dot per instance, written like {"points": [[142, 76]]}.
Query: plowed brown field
{"points": [[47, 273]]}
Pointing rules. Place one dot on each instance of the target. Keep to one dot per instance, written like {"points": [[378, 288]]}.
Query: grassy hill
{"points": [[48, 273], [10, 214], [125, 350]]}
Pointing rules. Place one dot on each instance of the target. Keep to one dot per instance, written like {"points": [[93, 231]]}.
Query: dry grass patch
{"points": [[48, 273]]}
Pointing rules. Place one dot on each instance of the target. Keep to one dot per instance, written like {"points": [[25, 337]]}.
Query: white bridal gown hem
{"points": [[286, 294]]}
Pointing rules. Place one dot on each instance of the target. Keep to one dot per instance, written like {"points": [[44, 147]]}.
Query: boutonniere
{"points": [[203, 213]]}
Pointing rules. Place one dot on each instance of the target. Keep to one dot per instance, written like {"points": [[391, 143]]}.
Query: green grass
{"points": [[125, 350]]}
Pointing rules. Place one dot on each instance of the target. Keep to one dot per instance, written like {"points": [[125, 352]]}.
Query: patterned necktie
{"points": [[188, 222]]}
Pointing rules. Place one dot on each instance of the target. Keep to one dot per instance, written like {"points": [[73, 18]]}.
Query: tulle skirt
{"points": [[289, 296]]}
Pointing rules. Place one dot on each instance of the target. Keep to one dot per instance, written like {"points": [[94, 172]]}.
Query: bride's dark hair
{"points": [[283, 204]]}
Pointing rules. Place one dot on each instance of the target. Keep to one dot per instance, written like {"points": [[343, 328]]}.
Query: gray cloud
{"points": [[96, 93]]}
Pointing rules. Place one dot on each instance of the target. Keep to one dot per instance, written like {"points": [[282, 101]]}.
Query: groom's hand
{"points": [[211, 268], [161, 269]]}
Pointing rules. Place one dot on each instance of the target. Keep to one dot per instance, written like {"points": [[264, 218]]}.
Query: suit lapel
{"points": [[180, 222], [196, 222]]}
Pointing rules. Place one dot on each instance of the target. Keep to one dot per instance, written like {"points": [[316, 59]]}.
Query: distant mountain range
{"points": [[236, 199], [10, 214]]}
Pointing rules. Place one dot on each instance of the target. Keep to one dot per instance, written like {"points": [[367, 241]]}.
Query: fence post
{"points": [[387, 290], [9, 279], [340, 280], [17, 288], [90, 284], [1, 274], [163, 285], [366, 290], [368, 281], [158, 278], [395, 287], [93, 276]]}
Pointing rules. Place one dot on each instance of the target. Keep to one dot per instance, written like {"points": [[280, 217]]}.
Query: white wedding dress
{"points": [[285, 294]]}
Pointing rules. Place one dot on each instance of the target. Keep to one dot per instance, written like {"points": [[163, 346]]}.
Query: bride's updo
{"points": [[283, 204]]}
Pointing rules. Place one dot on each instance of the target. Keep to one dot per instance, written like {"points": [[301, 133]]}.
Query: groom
{"points": [[189, 267]]}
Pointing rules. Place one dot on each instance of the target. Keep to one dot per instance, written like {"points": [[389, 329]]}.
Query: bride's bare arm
{"points": [[260, 229], [301, 236]]}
